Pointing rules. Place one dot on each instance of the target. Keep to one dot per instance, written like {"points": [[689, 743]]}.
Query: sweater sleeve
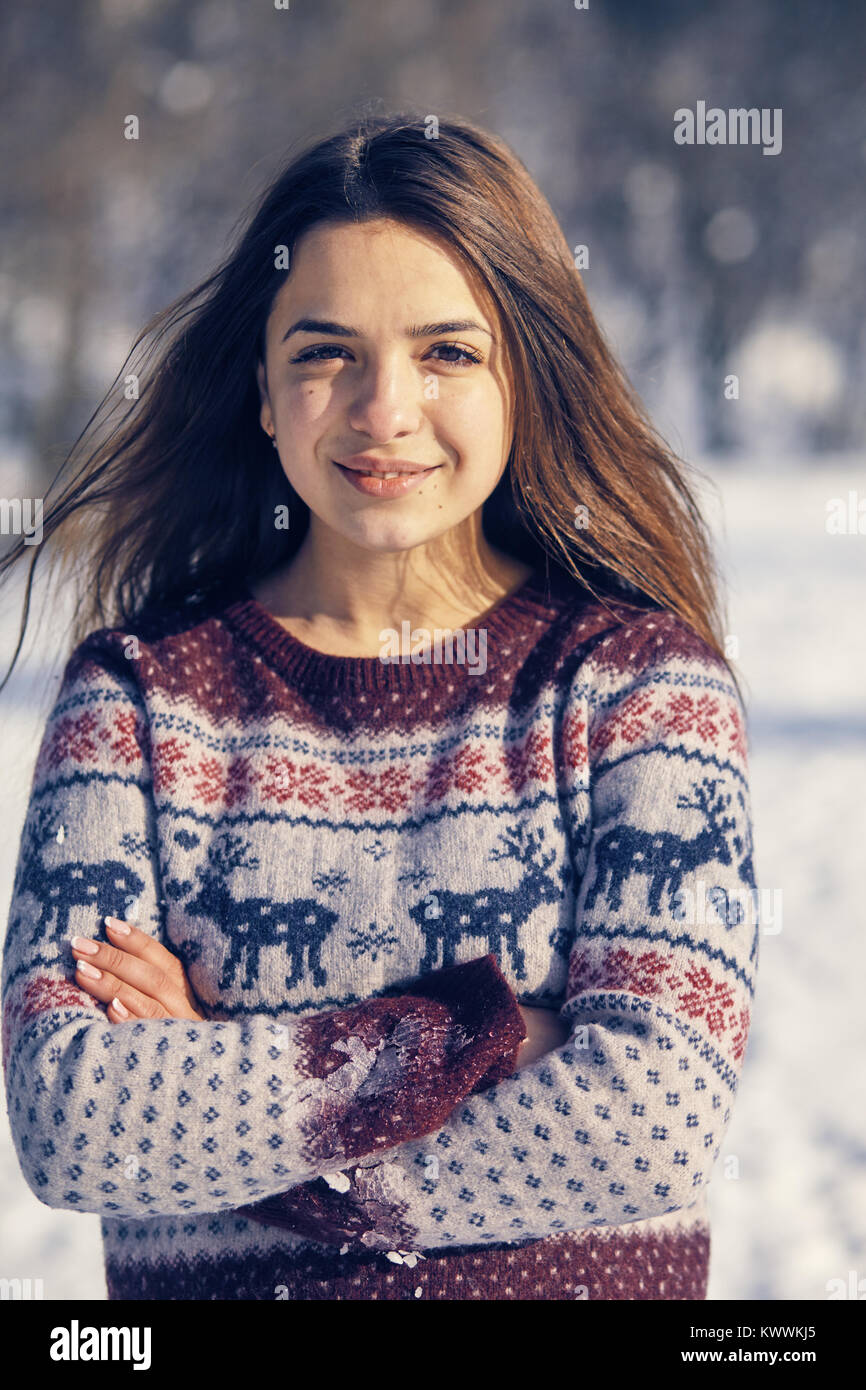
{"points": [[625, 1120], [162, 1116]]}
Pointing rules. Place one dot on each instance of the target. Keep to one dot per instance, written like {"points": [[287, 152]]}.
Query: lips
{"points": [[381, 487], [378, 468], [376, 473]]}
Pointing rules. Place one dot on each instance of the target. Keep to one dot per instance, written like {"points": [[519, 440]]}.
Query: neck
{"points": [[352, 593]]}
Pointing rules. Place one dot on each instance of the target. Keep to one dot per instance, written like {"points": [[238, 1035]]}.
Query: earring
{"points": [[273, 440]]}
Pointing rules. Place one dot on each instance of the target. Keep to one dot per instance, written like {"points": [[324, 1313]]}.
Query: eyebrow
{"points": [[422, 330]]}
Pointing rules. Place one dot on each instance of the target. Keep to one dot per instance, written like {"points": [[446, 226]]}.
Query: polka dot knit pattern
{"points": [[365, 866]]}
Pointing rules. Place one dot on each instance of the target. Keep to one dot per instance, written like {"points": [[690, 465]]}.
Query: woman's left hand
{"points": [[134, 972], [545, 1032]]}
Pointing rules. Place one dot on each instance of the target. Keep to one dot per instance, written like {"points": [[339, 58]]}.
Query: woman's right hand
{"points": [[136, 972], [547, 1031]]}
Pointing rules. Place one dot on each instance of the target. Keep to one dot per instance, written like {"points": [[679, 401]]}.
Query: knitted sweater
{"points": [[364, 866]]}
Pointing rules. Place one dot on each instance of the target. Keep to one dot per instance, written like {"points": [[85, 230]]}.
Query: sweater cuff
{"points": [[482, 1001], [461, 1028]]}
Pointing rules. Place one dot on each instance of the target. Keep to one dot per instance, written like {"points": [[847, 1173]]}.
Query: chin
{"points": [[394, 536]]}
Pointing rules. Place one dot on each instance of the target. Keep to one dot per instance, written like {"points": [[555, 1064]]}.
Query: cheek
{"points": [[300, 407], [477, 414], [472, 426]]}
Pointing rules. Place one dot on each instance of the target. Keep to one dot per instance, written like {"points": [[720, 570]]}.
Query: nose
{"points": [[388, 399]]}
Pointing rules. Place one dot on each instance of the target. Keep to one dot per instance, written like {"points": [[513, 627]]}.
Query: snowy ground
{"points": [[795, 1217]]}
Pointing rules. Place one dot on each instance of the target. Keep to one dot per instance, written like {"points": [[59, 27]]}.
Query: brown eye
{"points": [[314, 354], [466, 354]]}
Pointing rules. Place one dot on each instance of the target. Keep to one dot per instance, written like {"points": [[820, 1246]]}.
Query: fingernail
{"points": [[119, 1009], [119, 928], [81, 943], [90, 971]]}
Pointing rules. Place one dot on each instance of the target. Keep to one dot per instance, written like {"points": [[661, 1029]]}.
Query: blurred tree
{"points": [[692, 249]]}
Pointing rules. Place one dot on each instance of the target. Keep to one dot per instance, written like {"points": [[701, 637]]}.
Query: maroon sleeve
{"points": [[457, 1033]]}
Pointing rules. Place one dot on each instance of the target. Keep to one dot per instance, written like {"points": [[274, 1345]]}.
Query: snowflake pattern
{"points": [[370, 943]]}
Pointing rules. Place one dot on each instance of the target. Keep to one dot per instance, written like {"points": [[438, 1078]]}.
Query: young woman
{"points": [[400, 758]]}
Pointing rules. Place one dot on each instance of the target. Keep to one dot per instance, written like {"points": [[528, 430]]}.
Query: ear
{"points": [[265, 416]]}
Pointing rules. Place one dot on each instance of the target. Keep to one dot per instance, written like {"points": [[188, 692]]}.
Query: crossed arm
{"points": [[134, 976]]}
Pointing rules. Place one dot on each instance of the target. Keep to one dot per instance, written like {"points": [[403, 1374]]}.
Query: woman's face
{"points": [[384, 375]]}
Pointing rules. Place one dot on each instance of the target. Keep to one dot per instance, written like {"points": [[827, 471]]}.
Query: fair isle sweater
{"points": [[365, 866]]}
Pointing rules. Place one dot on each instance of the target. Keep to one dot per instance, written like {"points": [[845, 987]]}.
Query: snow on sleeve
{"points": [[623, 1122]]}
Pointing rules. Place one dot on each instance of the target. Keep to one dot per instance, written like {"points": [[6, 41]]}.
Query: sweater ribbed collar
{"points": [[513, 621]]}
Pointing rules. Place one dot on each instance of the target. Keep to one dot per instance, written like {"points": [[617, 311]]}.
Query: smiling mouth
{"points": [[395, 483], [410, 471], [363, 473]]}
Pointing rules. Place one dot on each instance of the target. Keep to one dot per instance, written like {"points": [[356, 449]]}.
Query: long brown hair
{"points": [[157, 506]]}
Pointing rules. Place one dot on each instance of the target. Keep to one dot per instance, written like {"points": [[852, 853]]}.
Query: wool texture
{"points": [[364, 867]]}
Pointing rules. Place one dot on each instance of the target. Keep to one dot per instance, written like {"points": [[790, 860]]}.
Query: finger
{"points": [[138, 943], [106, 988], [128, 937], [118, 1012], [148, 979]]}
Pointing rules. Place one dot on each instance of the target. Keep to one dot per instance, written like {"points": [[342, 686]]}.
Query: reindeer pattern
{"points": [[251, 923], [492, 917], [666, 860], [222, 917], [107, 887]]}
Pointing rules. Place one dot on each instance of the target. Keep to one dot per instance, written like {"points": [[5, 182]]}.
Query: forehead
{"points": [[379, 264]]}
